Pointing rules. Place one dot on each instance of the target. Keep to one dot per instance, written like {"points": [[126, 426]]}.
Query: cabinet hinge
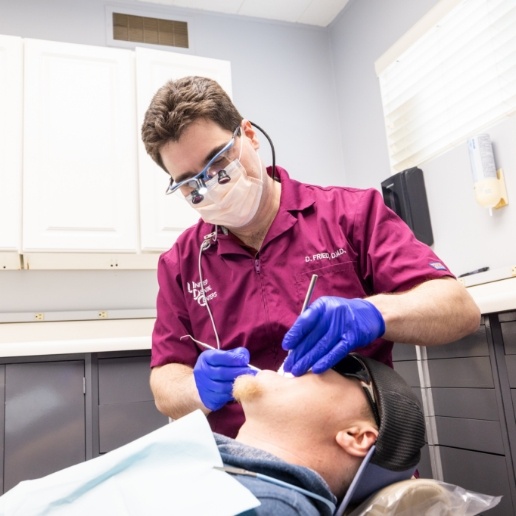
{"points": [[84, 385]]}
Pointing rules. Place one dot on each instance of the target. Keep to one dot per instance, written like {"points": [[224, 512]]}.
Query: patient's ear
{"points": [[357, 439]]}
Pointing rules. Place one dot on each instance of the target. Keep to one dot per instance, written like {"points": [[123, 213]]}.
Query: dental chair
{"points": [[423, 496]]}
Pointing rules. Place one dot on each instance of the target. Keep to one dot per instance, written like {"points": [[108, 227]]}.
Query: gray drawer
{"points": [[473, 345], [126, 405], [404, 352], [480, 472], [44, 419], [472, 372], [120, 424], [510, 360], [507, 316], [409, 372], [465, 403], [513, 395], [470, 434], [509, 337], [124, 379], [425, 467]]}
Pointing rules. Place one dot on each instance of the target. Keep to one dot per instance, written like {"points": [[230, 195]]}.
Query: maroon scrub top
{"points": [[356, 245]]}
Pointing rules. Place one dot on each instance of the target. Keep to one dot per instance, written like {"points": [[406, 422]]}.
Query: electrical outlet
{"points": [[103, 315], [39, 317]]}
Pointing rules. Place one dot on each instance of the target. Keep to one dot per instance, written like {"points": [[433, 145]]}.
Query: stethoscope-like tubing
{"points": [[273, 152], [212, 238]]}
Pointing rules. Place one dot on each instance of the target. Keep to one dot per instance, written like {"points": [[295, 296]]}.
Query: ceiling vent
{"points": [[153, 31]]}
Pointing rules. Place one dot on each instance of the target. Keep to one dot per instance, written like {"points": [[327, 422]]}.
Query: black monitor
{"points": [[405, 194]]}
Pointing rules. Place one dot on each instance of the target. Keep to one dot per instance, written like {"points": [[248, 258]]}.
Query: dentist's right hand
{"points": [[214, 373]]}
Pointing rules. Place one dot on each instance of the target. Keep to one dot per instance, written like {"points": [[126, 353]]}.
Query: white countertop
{"points": [[49, 338], [497, 296]]}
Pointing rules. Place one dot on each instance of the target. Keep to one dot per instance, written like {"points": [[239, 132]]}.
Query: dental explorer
{"points": [[308, 295], [207, 346]]}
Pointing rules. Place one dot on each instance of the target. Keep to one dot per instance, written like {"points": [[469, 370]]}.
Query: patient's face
{"points": [[312, 398]]}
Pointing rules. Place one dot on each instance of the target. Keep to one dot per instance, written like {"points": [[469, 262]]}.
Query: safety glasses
{"points": [[214, 168], [352, 366]]}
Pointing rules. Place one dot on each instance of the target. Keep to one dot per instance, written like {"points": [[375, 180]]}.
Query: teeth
{"points": [[282, 372]]}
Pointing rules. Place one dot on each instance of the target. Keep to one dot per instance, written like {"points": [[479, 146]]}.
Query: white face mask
{"points": [[235, 203]]}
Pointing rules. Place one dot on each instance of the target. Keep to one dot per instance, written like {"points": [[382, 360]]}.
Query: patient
{"points": [[311, 445], [315, 431]]}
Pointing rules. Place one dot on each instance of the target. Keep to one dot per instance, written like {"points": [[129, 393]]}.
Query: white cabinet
{"points": [[11, 87], [80, 177], [164, 217], [77, 189]]}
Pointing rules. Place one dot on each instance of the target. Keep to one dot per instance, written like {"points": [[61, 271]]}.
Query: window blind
{"points": [[453, 80]]}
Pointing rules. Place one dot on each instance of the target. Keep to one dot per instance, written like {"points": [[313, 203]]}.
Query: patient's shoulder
{"points": [[276, 500]]}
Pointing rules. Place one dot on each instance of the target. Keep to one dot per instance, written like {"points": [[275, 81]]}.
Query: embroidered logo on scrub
{"points": [[437, 266], [325, 256], [196, 291]]}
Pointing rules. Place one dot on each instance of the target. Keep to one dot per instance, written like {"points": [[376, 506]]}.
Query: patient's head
{"points": [[305, 404], [329, 421]]}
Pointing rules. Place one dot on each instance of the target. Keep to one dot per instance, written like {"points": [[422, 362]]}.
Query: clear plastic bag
{"points": [[425, 497]]}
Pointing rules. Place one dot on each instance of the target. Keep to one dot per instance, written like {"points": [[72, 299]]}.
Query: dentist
{"points": [[236, 280]]}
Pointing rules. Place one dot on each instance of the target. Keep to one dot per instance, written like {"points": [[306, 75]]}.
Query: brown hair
{"points": [[178, 104]]}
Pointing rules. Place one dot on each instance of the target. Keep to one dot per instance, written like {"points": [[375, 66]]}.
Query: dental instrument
{"points": [[308, 295], [207, 346]]}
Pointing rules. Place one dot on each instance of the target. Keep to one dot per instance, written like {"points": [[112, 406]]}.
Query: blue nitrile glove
{"points": [[329, 329], [214, 373]]}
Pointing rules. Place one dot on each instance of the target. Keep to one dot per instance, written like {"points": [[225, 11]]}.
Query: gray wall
{"points": [[315, 92], [359, 36], [466, 236], [282, 73], [282, 79]]}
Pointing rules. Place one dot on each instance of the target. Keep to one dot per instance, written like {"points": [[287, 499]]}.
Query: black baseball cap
{"points": [[401, 428]]}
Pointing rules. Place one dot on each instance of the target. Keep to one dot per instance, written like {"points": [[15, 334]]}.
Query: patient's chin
{"points": [[246, 388]]}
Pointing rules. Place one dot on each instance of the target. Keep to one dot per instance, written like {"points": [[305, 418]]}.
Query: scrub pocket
{"points": [[339, 279]]}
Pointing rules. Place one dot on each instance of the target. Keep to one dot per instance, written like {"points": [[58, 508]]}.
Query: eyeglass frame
{"points": [[366, 381], [202, 176]]}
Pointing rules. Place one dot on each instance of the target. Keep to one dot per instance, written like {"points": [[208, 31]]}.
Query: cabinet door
{"points": [[164, 217], [44, 419], [126, 406], [80, 177], [11, 88]]}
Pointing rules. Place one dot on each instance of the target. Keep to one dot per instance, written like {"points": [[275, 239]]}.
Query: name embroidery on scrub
{"points": [[325, 256], [196, 291]]}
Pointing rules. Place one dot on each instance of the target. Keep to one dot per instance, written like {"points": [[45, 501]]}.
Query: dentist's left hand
{"points": [[214, 373], [329, 329]]}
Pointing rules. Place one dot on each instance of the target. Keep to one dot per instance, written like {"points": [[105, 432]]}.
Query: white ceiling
{"points": [[311, 12]]}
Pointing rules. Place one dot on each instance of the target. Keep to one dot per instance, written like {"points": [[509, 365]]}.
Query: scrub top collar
{"points": [[295, 198]]}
